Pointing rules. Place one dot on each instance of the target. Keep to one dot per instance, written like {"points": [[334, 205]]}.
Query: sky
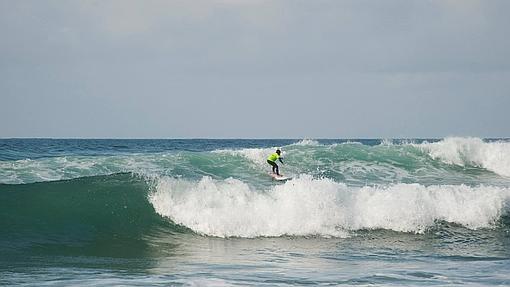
{"points": [[254, 69]]}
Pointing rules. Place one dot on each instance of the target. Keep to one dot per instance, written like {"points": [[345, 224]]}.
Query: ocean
{"points": [[203, 212]]}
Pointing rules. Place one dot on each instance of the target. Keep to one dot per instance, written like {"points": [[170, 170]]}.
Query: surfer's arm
{"points": [[280, 159]]}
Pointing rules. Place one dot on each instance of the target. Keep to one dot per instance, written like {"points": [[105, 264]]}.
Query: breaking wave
{"points": [[493, 156], [305, 206]]}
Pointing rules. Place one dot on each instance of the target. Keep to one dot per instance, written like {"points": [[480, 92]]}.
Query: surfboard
{"points": [[279, 177]]}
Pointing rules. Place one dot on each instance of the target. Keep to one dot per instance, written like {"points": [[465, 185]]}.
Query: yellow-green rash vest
{"points": [[273, 157]]}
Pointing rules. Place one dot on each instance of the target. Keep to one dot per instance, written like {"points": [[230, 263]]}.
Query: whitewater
{"points": [[148, 206]]}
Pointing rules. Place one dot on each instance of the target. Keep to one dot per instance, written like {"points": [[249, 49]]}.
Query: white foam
{"points": [[386, 142], [307, 206], [69, 167], [257, 156], [493, 156], [307, 142], [231, 208]]}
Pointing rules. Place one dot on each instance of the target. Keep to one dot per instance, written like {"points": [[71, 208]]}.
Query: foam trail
{"points": [[307, 206], [493, 156]]}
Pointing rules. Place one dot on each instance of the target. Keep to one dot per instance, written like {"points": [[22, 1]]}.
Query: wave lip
{"points": [[493, 156], [305, 206]]}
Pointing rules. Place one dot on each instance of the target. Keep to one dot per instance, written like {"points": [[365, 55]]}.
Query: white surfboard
{"points": [[279, 177]]}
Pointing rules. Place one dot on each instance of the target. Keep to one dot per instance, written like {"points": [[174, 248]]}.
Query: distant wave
{"points": [[305, 142], [353, 163], [493, 156]]}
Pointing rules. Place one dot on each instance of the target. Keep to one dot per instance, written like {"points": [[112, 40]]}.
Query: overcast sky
{"points": [[254, 69]]}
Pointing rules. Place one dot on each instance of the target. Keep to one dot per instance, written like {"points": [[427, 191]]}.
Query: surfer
{"points": [[272, 161]]}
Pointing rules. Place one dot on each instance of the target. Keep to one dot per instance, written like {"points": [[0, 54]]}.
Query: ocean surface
{"points": [[201, 212]]}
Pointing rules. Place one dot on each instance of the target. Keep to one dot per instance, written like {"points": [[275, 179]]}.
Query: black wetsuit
{"points": [[275, 166]]}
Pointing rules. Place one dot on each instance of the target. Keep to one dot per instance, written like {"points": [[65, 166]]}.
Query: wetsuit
{"points": [[272, 161]]}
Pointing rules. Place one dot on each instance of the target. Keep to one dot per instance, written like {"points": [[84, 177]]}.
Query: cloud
{"points": [[142, 60]]}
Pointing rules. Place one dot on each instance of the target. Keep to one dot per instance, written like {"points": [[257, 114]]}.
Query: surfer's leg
{"points": [[274, 165]]}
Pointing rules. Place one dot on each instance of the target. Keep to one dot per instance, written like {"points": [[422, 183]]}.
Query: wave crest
{"points": [[493, 156], [307, 142]]}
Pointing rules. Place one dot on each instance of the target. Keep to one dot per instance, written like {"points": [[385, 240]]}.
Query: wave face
{"points": [[95, 214], [137, 191]]}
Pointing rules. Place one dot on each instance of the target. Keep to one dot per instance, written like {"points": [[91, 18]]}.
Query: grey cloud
{"points": [[254, 68]]}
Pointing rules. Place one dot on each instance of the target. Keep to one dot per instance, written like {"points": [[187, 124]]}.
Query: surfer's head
{"points": [[278, 151]]}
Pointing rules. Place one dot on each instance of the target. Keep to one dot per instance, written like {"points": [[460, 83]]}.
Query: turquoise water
{"points": [[205, 212]]}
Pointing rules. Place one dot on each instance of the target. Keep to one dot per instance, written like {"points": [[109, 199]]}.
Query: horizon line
{"points": [[255, 138]]}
